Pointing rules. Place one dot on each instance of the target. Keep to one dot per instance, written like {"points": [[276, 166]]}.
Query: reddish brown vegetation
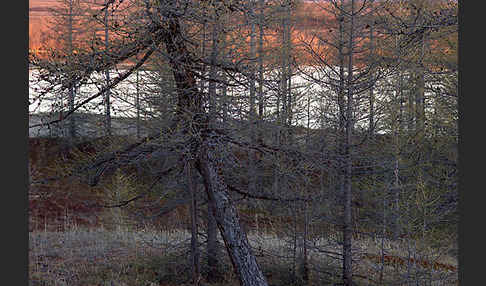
{"points": [[398, 261], [55, 204]]}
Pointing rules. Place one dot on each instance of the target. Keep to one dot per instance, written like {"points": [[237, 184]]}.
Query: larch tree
{"points": [[165, 28], [67, 23]]}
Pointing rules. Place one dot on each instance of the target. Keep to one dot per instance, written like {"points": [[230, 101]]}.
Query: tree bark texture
{"points": [[214, 272], [207, 153], [210, 164]]}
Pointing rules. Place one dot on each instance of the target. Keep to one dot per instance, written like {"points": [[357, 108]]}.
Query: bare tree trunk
{"points": [[283, 74], [420, 115], [107, 76], [282, 130], [252, 173], [224, 98], [348, 231], [420, 91], [214, 272], [72, 123], [304, 263], [411, 112], [213, 73], [224, 211], [304, 267], [261, 19], [202, 84], [340, 95], [288, 73], [383, 234], [397, 131], [295, 242], [207, 153], [194, 229], [372, 95], [396, 190], [137, 104], [260, 63]]}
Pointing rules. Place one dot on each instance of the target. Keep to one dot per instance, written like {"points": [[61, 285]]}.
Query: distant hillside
{"points": [[88, 125]]}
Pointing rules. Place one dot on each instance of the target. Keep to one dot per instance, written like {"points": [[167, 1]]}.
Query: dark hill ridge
{"points": [[88, 125]]}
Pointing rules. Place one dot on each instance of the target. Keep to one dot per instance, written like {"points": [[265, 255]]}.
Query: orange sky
{"points": [[39, 17], [308, 19]]}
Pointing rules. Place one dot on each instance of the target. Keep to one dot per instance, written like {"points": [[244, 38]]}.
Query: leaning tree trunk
{"points": [[207, 153], [210, 163]]}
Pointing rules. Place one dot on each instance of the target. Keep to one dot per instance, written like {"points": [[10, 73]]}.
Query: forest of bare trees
{"points": [[327, 124]]}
